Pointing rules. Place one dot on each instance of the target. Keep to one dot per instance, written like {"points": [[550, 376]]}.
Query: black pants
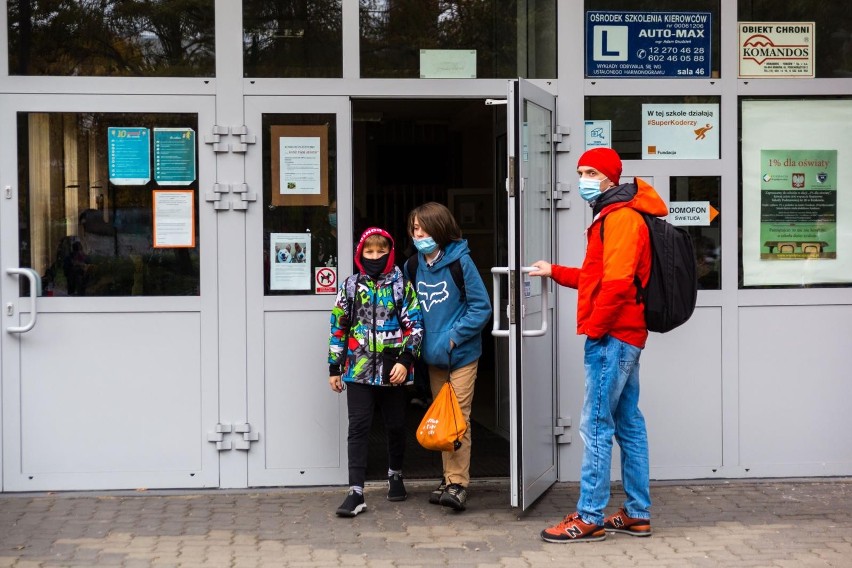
{"points": [[362, 400]]}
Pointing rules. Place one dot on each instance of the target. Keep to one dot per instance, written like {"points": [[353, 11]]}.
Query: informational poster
{"points": [[648, 44], [796, 207], [680, 131], [299, 165], [174, 218], [129, 155], [598, 134], [798, 204], [448, 64], [174, 156], [776, 49], [289, 261]]}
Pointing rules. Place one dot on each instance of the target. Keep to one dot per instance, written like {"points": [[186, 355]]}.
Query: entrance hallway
{"points": [[731, 523]]}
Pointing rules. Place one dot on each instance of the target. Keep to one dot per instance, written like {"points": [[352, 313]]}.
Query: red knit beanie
{"points": [[605, 160]]}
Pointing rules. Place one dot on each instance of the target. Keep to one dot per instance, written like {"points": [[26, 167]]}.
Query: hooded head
{"points": [[605, 160], [360, 248]]}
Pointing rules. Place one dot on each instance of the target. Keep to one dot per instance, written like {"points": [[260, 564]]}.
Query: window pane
{"points": [[509, 38], [627, 118], [159, 38], [650, 6], [832, 30], [299, 201], [84, 234], [706, 238], [794, 209], [292, 38]]}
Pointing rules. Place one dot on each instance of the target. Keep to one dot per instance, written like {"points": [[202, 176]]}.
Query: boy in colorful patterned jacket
{"points": [[376, 331]]}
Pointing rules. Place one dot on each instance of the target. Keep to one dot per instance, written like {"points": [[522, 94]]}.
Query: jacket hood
{"points": [[638, 195], [360, 248], [453, 250]]}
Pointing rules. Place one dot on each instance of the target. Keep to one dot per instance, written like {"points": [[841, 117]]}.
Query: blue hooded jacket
{"points": [[446, 316]]}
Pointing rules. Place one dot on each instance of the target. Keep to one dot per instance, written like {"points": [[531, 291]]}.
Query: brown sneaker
{"points": [[573, 529], [621, 523]]}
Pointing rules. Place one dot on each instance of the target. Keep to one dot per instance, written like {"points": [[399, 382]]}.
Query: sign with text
{"points": [[779, 49], [680, 131], [691, 213], [129, 155], [648, 44]]}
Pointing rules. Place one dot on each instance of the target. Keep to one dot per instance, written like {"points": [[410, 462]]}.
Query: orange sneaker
{"points": [[620, 522], [573, 529]]}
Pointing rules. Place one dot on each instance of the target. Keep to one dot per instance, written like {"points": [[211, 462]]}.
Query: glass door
{"points": [[298, 248], [532, 390], [109, 370]]}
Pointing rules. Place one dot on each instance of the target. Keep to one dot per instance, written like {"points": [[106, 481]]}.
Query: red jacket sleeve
{"points": [[565, 275]]}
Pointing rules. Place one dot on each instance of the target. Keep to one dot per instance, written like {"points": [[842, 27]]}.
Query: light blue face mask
{"points": [[590, 189], [426, 245], [332, 219]]}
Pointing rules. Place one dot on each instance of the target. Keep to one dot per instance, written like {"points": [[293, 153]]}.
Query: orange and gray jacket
{"points": [[607, 296]]}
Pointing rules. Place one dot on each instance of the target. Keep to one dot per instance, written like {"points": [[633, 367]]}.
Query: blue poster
{"points": [[129, 155], [174, 156], [648, 44]]}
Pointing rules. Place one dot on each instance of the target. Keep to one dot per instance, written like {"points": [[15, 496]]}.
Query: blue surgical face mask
{"points": [[590, 189], [426, 245], [332, 219]]}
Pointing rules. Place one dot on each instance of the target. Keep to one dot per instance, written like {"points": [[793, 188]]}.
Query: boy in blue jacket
{"points": [[454, 316]]}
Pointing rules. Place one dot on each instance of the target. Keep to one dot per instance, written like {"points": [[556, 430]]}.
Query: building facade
{"points": [[182, 182]]}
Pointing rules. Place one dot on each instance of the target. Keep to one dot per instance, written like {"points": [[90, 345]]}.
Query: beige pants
{"points": [[457, 464]]}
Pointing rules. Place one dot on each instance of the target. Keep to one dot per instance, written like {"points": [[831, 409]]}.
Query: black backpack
{"points": [[455, 269], [672, 288]]}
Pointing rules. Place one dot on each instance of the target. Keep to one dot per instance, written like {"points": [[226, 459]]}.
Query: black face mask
{"points": [[373, 267]]}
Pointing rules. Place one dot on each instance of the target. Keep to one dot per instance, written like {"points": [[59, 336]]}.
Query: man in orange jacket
{"points": [[613, 320]]}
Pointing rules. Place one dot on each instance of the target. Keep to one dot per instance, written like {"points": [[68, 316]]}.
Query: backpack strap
{"points": [[350, 283]]}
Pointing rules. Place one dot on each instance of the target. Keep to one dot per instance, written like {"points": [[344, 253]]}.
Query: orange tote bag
{"points": [[443, 425]]}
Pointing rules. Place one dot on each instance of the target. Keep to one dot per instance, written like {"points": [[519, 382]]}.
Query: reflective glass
{"points": [[299, 202], [87, 221], [292, 38], [112, 38], [499, 38], [706, 233]]}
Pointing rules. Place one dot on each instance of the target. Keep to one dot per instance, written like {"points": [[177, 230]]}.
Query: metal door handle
{"points": [[544, 305], [495, 328], [35, 290]]}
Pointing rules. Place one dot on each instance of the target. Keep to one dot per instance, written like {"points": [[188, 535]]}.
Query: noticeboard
{"points": [[648, 44]]}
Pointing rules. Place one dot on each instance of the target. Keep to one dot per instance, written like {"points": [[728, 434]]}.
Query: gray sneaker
{"points": [[454, 497], [435, 495]]}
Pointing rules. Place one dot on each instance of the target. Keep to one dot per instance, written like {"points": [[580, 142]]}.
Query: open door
{"points": [[532, 385]]}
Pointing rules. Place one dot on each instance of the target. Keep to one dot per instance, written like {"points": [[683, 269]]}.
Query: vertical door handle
{"points": [[495, 328], [35, 290], [545, 285]]}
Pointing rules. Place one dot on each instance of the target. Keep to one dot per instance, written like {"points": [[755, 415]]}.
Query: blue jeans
{"points": [[611, 408]]}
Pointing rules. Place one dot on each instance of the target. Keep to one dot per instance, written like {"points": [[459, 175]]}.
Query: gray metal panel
{"points": [[795, 390], [109, 400]]}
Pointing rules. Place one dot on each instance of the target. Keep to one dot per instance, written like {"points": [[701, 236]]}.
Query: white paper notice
{"points": [[300, 165], [289, 261], [174, 219]]}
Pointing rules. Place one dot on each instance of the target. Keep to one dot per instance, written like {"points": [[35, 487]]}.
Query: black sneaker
{"points": [[454, 497], [396, 488], [435, 495], [352, 505]]}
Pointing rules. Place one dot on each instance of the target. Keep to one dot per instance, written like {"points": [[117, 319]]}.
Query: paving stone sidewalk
{"points": [[761, 523]]}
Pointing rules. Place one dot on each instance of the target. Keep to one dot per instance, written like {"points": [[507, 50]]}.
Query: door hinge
{"points": [[560, 138], [7, 192], [510, 181], [246, 196], [247, 438], [215, 138], [217, 436], [245, 140], [561, 430], [560, 195], [215, 196]]}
